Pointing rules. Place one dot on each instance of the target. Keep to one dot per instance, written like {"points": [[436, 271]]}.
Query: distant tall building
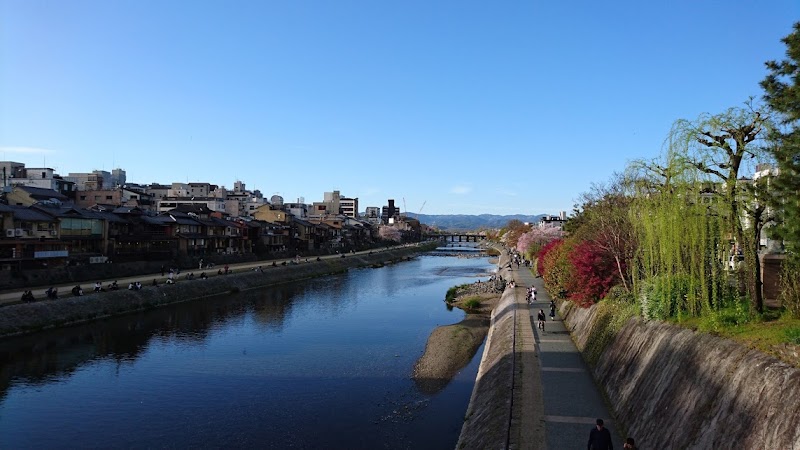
{"points": [[389, 213], [372, 212], [96, 180], [118, 178], [349, 206]]}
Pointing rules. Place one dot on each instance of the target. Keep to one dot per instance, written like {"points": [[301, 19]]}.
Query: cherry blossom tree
{"points": [[530, 242], [390, 233]]}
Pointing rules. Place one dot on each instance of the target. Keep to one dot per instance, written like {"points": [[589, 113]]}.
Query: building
{"points": [[119, 196], [118, 177], [349, 207], [44, 178], [390, 213], [96, 180], [22, 195], [556, 222], [11, 169]]}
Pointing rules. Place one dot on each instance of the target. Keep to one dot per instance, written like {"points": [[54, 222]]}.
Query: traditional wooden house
{"points": [[30, 239]]}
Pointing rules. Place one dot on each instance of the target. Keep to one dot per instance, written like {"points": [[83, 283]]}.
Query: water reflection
{"points": [[320, 364]]}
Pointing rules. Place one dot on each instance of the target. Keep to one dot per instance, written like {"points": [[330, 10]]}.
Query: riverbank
{"points": [[25, 318], [451, 347]]}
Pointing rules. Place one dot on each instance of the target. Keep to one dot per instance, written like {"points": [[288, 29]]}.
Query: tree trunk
{"points": [[621, 274], [758, 291]]}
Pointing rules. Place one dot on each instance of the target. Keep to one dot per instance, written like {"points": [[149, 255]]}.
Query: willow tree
{"points": [[677, 267], [721, 147]]}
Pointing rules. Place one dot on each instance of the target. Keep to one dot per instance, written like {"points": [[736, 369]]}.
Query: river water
{"points": [[324, 364]]}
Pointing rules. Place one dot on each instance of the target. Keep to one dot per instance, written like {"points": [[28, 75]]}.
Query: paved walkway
{"points": [[13, 296], [572, 401]]}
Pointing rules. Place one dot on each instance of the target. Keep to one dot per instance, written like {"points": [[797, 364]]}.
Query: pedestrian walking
{"points": [[600, 437]]}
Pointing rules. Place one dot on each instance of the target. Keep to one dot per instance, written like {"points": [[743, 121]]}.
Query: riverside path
{"points": [[13, 296], [571, 400]]}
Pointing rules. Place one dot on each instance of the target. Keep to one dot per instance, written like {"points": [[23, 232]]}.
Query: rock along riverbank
{"points": [[29, 318]]}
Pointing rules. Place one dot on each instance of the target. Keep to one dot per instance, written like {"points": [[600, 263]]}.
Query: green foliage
{"points": [[619, 294], [792, 335], [718, 321], [782, 94], [678, 268], [666, 296], [451, 294], [790, 287], [472, 303]]}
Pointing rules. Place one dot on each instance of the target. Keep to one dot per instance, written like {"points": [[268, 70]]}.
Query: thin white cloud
{"points": [[460, 190], [27, 150]]}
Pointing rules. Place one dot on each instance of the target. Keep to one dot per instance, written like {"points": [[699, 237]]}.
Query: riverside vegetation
{"points": [[680, 237]]}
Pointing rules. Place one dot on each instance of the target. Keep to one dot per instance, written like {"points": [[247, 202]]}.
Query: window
{"points": [[83, 197]]}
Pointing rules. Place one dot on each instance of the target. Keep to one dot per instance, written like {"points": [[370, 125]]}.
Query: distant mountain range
{"points": [[462, 222]]}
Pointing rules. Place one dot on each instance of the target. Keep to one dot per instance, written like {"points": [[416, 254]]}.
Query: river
{"points": [[321, 364]]}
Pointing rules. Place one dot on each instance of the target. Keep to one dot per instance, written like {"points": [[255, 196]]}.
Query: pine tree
{"points": [[782, 94]]}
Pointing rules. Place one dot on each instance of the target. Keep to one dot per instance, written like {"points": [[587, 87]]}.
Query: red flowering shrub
{"points": [[594, 272], [554, 267]]}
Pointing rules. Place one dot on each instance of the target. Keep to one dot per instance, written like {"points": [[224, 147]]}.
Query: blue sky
{"points": [[469, 107]]}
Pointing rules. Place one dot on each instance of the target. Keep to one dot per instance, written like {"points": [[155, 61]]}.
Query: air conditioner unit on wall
{"points": [[10, 232], [18, 232], [53, 232]]}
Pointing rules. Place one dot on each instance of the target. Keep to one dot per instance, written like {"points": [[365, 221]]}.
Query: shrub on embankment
{"points": [[30, 317], [671, 387]]}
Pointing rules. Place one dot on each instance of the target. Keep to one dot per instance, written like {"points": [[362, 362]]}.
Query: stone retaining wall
{"points": [[487, 419], [671, 387], [31, 317]]}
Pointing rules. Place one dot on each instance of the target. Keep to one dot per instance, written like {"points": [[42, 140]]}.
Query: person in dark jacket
{"points": [[600, 438]]}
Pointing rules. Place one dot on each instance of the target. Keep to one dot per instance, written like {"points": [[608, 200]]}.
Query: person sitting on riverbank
{"points": [[77, 291], [203, 275], [190, 276], [137, 285], [27, 296], [52, 293], [114, 286], [98, 286]]}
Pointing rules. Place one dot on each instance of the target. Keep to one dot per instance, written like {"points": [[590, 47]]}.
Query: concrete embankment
{"points": [[490, 421], [31, 317], [671, 387]]}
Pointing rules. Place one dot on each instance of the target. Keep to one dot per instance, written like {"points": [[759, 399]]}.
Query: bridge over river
{"points": [[461, 237]]}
